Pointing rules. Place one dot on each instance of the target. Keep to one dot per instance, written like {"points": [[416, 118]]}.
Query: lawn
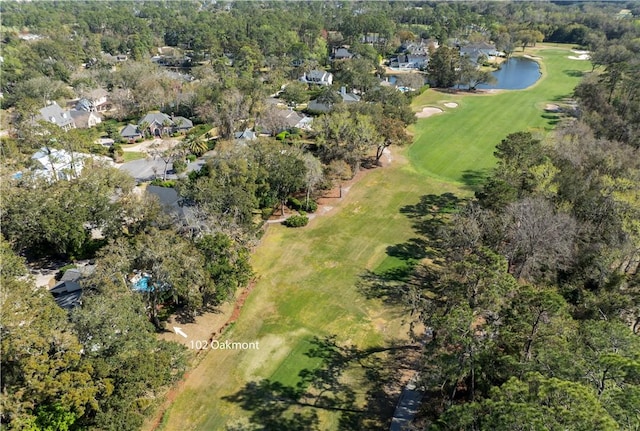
{"points": [[129, 156], [458, 145], [306, 288], [307, 277]]}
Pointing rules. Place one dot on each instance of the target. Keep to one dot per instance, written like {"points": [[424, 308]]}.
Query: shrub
{"points": [[312, 206], [192, 157], [266, 213], [179, 166], [160, 183], [294, 203], [296, 221], [282, 135]]}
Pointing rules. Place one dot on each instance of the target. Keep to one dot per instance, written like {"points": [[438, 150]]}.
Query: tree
{"points": [[121, 347], [227, 262], [295, 93], [533, 403], [347, 137], [44, 378], [471, 76], [442, 67], [314, 174], [286, 174], [196, 144], [393, 132], [339, 171], [538, 240]]}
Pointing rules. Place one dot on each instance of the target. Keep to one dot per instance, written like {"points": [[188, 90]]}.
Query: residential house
{"points": [[245, 135], [54, 114], [318, 77], [158, 123], [131, 132], [410, 62], [283, 119], [95, 101], [477, 50], [372, 38], [85, 119], [321, 106], [68, 292], [342, 53], [53, 164]]}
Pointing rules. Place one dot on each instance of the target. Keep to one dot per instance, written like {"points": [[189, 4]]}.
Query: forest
{"points": [[530, 287]]}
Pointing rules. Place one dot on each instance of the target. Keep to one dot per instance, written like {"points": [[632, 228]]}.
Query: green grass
{"points": [[458, 145], [307, 277], [129, 156]]}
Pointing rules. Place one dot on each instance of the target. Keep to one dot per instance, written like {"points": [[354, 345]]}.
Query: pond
{"points": [[515, 74]]}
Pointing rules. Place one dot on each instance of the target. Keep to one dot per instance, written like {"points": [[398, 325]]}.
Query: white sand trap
{"points": [[577, 51], [552, 107], [450, 104], [428, 112], [580, 57]]}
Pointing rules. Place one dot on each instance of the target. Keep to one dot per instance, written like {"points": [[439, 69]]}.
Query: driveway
{"points": [[148, 169]]}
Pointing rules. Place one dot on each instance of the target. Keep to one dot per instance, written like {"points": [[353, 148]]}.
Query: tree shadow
{"points": [[573, 73], [343, 375], [474, 179], [552, 119], [403, 283], [430, 214]]}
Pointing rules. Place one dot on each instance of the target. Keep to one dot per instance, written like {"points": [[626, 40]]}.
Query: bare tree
{"points": [[537, 238]]}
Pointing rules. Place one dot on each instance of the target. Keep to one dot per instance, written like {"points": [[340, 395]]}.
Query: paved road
{"points": [[407, 406]]}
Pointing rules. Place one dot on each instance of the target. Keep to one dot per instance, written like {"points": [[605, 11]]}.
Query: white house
{"points": [[53, 164], [319, 77]]}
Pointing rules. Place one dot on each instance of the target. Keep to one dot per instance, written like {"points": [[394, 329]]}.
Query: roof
{"points": [[342, 53], [53, 113], [318, 75], [97, 93], [67, 294], [246, 134], [182, 122], [130, 131], [81, 118], [84, 105], [156, 117], [71, 275]]}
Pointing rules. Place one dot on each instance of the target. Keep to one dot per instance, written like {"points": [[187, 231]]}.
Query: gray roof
{"points": [[56, 115], [182, 123], [84, 105], [246, 134], [341, 53], [130, 131], [71, 275], [67, 294], [156, 117]]}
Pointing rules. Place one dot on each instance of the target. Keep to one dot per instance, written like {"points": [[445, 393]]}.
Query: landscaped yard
{"points": [[307, 277]]}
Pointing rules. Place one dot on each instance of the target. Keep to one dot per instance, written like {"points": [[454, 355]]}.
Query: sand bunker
{"points": [[552, 107], [583, 55], [450, 104], [428, 112], [577, 51]]}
